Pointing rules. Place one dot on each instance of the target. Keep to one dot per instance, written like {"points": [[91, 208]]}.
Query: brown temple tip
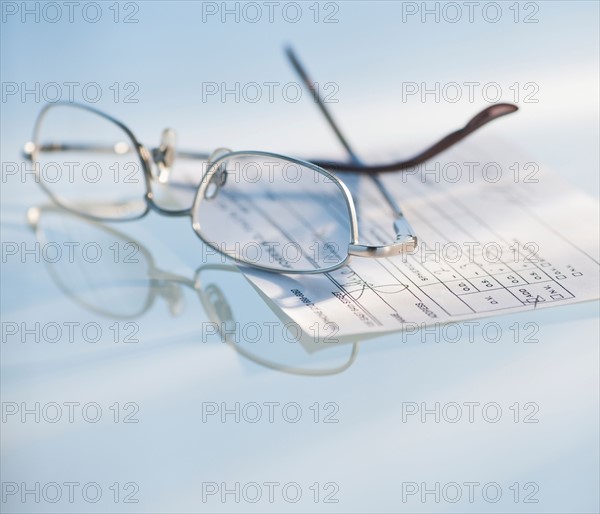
{"points": [[491, 113]]}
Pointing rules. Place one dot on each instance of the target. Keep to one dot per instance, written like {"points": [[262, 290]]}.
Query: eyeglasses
{"points": [[262, 209], [266, 210]]}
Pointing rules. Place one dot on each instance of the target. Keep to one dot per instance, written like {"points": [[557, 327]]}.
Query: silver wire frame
{"points": [[404, 243]]}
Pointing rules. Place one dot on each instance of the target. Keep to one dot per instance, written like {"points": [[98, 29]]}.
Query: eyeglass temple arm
{"points": [[30, 148], [406, 241], [488, 114], [485, 116], [479, 120], [310, 85]]}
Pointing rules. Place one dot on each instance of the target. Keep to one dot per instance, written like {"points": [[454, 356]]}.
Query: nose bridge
{"points": [[163, 157]]}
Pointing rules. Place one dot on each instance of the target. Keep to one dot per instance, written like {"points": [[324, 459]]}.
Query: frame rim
{"points": [[139, 148], [347, 195]]}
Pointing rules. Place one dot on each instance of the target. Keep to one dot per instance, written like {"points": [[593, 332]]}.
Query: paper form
{"points": [[506, 235]]}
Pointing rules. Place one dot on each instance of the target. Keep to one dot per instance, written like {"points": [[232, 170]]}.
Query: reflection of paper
{"points": [[546, 231]]}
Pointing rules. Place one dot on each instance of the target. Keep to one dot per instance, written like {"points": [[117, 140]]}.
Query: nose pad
{"points": [[173, 295], [217, 181], [164, 155], [219, 177]]}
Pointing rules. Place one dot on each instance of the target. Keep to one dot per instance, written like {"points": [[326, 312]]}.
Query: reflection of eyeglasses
{"points": [[262, 209], [127, 288]]}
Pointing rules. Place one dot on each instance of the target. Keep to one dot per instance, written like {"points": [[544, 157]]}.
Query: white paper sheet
{"points": [[524, 241]]}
